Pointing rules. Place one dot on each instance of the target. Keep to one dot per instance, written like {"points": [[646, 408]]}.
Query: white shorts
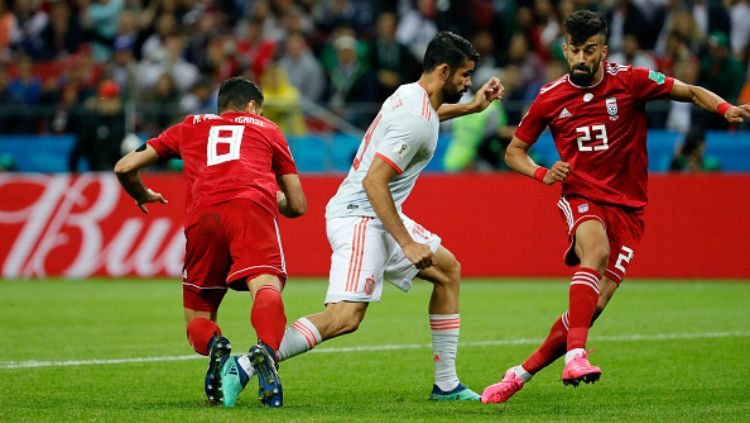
{"points": [[364, 254]]}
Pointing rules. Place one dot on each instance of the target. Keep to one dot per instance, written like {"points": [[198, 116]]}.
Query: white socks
{"points": [[522, 373], [299, 337], [445, 328], [572, 353]]}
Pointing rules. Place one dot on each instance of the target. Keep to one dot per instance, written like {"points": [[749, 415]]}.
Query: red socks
{"points": [[551, 349], [199, 332], [267, 316], [584, 294]]}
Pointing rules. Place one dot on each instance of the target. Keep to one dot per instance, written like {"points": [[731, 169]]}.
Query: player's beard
{"points": [[584, 79], [450, 93]]}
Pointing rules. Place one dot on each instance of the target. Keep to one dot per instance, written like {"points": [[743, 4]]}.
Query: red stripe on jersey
{"points": [[358, 271], [355, 244], [390, 162]]}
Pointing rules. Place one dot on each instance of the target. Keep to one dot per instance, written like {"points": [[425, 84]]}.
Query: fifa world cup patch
{"points": [[583, 208], [657, 77], [400, 149]]}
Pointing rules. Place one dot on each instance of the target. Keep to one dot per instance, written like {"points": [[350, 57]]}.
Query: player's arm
{"points": [[708, 100], [379, 193], [490, 91], [128, 169], [517, 158], [291, 198]]}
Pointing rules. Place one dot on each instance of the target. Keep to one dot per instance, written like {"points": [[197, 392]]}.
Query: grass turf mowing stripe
{"points": [[368, 348]]}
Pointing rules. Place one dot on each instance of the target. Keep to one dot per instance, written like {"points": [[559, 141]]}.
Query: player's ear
{"points": [[444, 71], [251, 106]]}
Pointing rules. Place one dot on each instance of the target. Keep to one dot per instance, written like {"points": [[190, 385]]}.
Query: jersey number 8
{"points": [[600, 134], [224, 134]]}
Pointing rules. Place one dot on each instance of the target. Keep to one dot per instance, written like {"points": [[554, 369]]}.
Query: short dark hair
{"points": [[449, 48], [236, 92], [583, 24]]}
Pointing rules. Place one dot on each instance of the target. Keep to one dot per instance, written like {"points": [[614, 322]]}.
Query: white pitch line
{"points": [[370, 348]]}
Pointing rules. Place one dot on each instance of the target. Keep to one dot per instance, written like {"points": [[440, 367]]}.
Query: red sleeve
{"points": [[647, 84], [532, 124], [167, 144], [283, 163]]}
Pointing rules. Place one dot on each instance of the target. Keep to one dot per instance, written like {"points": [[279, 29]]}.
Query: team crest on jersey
{"points": [[612, 108], [400, 149], [370, 285], [583, 208]]}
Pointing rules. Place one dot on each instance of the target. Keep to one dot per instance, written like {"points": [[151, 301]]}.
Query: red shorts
{"points": [[624, 228], [226, 244]]}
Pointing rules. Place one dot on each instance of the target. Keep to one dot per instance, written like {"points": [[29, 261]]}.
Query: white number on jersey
{"points": [[233, 139], [600, 134], [626, 255]]}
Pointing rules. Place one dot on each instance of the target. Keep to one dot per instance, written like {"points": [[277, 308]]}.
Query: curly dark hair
{"points": [[583, 24], [450, 48]]}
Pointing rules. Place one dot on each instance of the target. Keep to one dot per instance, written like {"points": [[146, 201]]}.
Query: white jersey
{"points": [[404, 134]]}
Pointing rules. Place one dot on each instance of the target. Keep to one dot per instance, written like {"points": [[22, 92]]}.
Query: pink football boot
{"points": [[580, 370], [503, 390]]}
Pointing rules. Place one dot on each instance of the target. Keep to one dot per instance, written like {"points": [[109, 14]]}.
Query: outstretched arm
{"points": [[707, 100], [517, 157], [128, 169], [381, 199], [490, 91]]}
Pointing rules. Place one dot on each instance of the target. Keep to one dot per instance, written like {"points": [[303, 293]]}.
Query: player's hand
{"points": [[420, 255], [150, 197], [490, 91], [557, 173], [736, 114], [280, 199]]}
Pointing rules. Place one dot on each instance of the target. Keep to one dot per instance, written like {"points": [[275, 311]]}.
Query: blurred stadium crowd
{"points": [[147, 63]]}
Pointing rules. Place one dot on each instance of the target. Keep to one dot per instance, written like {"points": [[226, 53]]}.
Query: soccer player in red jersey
{"points": [[596, 114], [234, 164]]}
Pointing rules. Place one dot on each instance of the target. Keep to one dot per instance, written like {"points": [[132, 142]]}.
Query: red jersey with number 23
{"points": [[601, 131], [235, 155]]}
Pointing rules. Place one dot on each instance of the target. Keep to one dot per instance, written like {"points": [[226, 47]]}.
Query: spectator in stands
{"points": [[160, 105], [350, 81], [530, 65], [200, 99], [631, 54], [680, 115], [128, 32], [690, 155], [170, 60], [626, 18], [332, 14], [417, 27], [487, 66], [101, 132], [390, 60], [123, 68], [254, 52], [100, 17], [8, 103], [677, 50], [155, 44], [10, 34], [303, 69], [203, 31], [739, 13], [221, 62], [281, 104], [25, 90], [61, 36], [721, 73]]}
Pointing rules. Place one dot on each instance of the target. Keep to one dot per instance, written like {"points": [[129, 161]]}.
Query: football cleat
{"points": [[218, 352], [459, 393], [233, 380], [269, 386], [580, 370], [503, 390]]}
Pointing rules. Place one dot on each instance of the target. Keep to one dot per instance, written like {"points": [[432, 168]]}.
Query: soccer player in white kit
{"points": [[371, 238]]}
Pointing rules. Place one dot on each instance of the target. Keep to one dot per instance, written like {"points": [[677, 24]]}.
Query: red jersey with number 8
{"points": [[235, 155], [601, 131]]}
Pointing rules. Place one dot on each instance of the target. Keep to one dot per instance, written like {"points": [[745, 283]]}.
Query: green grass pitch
{"points": [[669, 352]]}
